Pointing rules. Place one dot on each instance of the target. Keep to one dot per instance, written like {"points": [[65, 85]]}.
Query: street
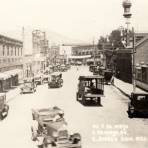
{"points": [[90, 121]]}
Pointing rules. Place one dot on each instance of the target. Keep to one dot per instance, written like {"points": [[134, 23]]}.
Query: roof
{"points": [[4, 76], [91, 77], [13, 72], [141, 41]]}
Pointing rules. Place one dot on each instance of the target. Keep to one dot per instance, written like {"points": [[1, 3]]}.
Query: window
{"points": [[18, 51], [3, 50], [15, 51], [21, 51], [7, 50], [11, 51]]}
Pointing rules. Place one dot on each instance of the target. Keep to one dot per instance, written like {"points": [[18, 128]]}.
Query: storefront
{"points": [[9, 79], [142, 76]]}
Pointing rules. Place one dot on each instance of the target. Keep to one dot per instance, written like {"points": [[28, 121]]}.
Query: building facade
{"points": [[11, 62], [124, 62], [141, 60], [86, 54], [54, 55]]}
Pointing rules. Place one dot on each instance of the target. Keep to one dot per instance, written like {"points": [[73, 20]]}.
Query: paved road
{"points": [[90, 121]]}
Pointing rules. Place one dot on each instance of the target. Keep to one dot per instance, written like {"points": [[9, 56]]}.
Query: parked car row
{"points": [[102, 71], [54, 80]]}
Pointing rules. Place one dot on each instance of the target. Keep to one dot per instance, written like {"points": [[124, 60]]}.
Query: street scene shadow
{"points": [[138, 115], [89, 103]]}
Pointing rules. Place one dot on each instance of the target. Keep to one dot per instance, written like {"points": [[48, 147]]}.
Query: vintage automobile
{"points": [[108, 76], [56, 80], [45, 78], [96, 70], [68, 66], [51, 128], [38, 79], [28, 86], [90, 88], [63, 68], [92, 67], [4, 108], [138, 104]]}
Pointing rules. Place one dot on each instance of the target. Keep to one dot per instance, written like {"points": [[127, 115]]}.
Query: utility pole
{"points": [[133, 63], [94, 51]]}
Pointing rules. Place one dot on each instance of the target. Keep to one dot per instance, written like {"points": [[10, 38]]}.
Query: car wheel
{"points": [[76, 138], [99, 101], [1, 116], [130, 112], [77, 96], [53, 144], [33, 117], [83, 100]]}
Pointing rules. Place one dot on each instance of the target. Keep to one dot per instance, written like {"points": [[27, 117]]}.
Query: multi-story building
{"points": [[124, 62], [141, 60], [28, 64], [86, 53], [54, 53], [39, 42], [11, 62]]}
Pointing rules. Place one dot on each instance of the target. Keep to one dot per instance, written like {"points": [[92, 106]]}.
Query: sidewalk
{"points": [[12, 93], [126, 88]]}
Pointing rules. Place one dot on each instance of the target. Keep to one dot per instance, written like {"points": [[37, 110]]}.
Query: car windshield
{"points": [[140, 98], [28, 84]]}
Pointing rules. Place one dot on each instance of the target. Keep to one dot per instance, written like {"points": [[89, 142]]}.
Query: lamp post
{"points": [[133, 62], [127, 14]]}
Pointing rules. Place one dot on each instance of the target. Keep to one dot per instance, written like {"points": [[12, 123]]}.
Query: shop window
{"points": [[139, 74], [144, 74]]}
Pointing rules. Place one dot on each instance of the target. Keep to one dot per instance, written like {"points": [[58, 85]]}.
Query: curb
{"points": [[123, 92]]}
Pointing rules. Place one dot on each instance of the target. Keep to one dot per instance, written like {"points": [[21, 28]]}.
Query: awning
{"points": [[80, 57], [13, 72], [4, 76]]}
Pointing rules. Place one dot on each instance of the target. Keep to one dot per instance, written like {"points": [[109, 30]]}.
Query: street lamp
{"points": [[127, 14]]}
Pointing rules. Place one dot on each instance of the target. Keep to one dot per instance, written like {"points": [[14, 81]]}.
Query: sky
{"points": [[78, 19]]}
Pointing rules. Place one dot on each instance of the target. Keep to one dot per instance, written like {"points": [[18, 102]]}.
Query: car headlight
{"points": [[55, 134]]}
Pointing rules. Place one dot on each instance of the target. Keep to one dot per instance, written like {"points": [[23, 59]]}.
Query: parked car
{"points": [[138, 104], [56, 80], [4, 107], [92, 67], [90, 88], [108, 76], [38, 79], [45, 78], [28, 86], [51, 129], [63, 68]]}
